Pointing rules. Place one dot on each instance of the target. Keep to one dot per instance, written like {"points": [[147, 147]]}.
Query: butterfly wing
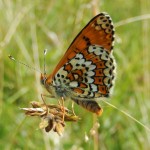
{"points": [[99, 31]]}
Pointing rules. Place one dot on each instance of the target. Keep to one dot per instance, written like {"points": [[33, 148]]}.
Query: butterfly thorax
{"points": [[54, 90]]}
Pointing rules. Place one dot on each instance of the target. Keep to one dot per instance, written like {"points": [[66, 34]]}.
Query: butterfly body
{"points": [[87, 70]]}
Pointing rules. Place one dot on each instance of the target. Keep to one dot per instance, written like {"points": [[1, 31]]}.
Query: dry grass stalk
{"points": [[52, 116]]}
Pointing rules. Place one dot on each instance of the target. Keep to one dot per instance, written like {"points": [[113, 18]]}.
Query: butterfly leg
{"points": [[42, 96], [50, 96], [72, 106], [90, 105], [61, 103]]}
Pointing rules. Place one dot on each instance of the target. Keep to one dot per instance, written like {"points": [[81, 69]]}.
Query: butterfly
{"points": [[86, 72]]}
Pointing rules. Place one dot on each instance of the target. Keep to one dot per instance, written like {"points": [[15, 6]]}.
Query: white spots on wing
{"points": [[91, 49], [56, 82], [103, 20], [99, 21], [77, 62], [73, 84], [73, 62], [78, 56], [76, 76], [87, 63], [105, 56], [89, 80], [90, 73], [92, 67], [108, 31], [109, 64], [62, 72], [94, 88], [91, 94], [104, 26], [106, 71], [60, 77], [81, 61], [101, 52], [97, 50], [106, 80]]}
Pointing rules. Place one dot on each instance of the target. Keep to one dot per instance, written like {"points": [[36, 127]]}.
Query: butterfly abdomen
{"points": [[89, 105]]}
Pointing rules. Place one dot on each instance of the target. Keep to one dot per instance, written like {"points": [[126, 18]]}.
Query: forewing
{"points": [[98, 31]]}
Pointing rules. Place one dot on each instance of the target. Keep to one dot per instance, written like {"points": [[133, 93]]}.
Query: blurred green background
{"points": [[28, 27]]}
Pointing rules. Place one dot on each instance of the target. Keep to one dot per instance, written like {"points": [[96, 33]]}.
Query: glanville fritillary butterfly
{"points": [[86, 72]]}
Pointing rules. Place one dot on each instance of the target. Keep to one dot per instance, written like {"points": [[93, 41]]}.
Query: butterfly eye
{"points": [[43, 79]]}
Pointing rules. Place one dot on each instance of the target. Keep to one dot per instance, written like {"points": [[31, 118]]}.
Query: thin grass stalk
{"points": [[1, 79], [145, 5], [96, 135]]}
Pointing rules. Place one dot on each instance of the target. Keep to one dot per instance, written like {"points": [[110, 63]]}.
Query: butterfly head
{"points": [[43, 79], [46, 80]]}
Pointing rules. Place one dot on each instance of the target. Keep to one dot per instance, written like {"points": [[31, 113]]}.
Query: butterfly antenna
{"points": [[19, 62], [45, 52]]}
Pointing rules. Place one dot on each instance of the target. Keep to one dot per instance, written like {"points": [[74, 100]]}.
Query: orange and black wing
{"points": [[98, 31]]}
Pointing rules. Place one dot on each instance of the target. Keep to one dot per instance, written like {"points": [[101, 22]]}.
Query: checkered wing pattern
{"points": [[87, 69]]}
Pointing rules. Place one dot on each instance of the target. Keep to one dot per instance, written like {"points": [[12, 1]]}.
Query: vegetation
{"points": [[27, 28]]}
